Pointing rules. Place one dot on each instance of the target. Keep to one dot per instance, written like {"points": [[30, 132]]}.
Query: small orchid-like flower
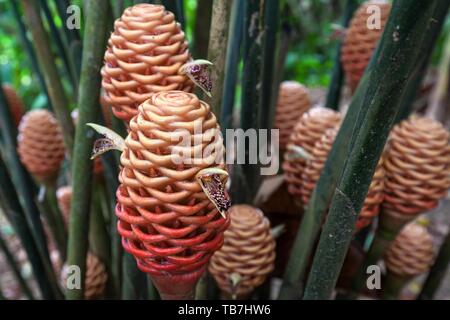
{"points": [[110, 140], [199, 71], [213, 181]]}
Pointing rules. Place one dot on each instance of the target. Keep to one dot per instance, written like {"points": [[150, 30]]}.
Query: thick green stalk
{"points": [[13, 211], [117, 6], [398, 58], [108, 192], [181, 17], [284, 42], [411, 95], [71, 34], [389, 225], [337, 76], [201, 28], [175, 6], [73, 42], [52, 78], [232, 64], [252, 55], [437, 272], [441, 96], [201, 291], [246, 176], [88, 111], [58, 41], [393, 286], [269, 79], [217, 49], [111, 161], [30, 50], [318, 206], [15, 269], [98, 234]]}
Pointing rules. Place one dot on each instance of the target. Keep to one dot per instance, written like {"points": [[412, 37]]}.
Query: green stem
{"points": [[437, 272], [218, 37], [89, 91], [411, 95], [117, 6], [389, 225], [111, 172], [60, 45], [246, 176], [71, 34], [52, 78], [282, 51], [111, 161], [337, 76], [201, 291], [232, 64], [201, 28], [393, 285], [98, 234], [50, 193], [409, 34], [441, 95], [15, 269], [73, 42], [104, 201], [134, 285], [49, 207], [271, 24], [175, 6], [30, 50]]}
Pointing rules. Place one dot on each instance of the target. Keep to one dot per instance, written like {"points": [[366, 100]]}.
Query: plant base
{"points": [[177, 287]]}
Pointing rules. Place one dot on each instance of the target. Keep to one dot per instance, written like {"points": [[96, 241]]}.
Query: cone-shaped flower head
{"points": [[40, 144], [411, 253], [144, 55], [293, 101], [309, 129], [173, 152], [248, 254], [417, 166], [362, 37]]}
